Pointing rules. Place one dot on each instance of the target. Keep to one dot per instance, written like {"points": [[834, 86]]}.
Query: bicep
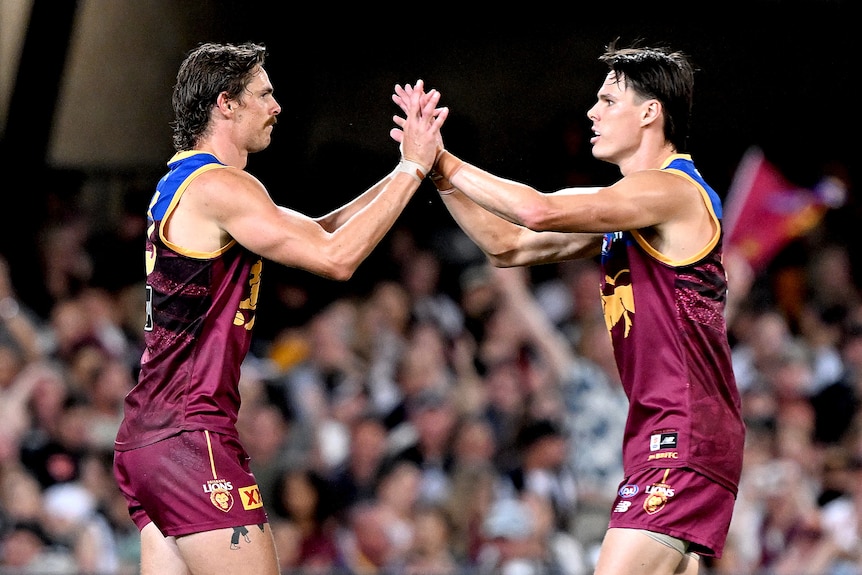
{"points": [[507, 244], [552, 247], [636, 201], [244, 210], [530, 248]]}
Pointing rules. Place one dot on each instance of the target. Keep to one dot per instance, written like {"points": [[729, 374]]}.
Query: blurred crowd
{"points": [[447, 419]]}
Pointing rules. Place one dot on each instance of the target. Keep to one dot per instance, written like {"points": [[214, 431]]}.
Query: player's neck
{"points": [[647, 157], [225, 150]]}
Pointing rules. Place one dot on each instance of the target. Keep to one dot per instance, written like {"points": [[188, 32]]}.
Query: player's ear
{"points": [[225, 103], [651, 111]]}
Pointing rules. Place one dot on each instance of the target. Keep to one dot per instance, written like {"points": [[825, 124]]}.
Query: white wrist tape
{"points": [[415, 169]]}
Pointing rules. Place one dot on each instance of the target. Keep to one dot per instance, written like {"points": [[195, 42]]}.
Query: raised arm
{"points": [[332, 246], [418, 150], [514, 287], [666, 208], [508, 244], [505, 240]]}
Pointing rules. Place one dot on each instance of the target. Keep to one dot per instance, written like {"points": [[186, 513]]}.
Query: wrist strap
{"points": [[448, 164], [415, 169], [443, 185]]}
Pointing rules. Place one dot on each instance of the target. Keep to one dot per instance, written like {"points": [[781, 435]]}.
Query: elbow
{"points": [[501, 262], [337, 268], [504, 259], [341, 272], [534, 216], [338, 260]]}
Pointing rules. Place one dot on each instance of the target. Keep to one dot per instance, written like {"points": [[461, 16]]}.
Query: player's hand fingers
{"points": [[429, 104], [440, 115]]}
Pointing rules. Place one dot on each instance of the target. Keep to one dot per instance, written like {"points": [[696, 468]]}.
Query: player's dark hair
{"points": [[661, 74], [207, 71]]}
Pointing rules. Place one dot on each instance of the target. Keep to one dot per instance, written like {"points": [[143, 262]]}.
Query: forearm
{"points": [[353, 241], [549, 341], [335, 219], [502, 197], [20, 327], [338, 217], [496, 237], [507, 244]]}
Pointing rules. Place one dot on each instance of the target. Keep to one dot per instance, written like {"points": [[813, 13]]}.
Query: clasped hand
{"points": [[418, 132]]}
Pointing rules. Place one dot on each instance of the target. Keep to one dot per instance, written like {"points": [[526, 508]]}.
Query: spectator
{"points": [[836, 405], [543, 469], [355, 479], [20, 327], [431, 551], [764, 339], [74, 521], [331, 370], [473, 443], [26, 548], [565, 555], [592, 401], [432, 415], [511, 546], [382, 332], [366, 543], [421, 277], [474, 490], [399, 491], [263, 427], [301, 498], [422, 366]]}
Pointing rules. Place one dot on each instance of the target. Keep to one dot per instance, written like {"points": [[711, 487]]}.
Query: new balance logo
{"points": [[666, 440]]}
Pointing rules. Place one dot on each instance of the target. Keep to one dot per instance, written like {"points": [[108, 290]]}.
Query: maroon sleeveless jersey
{"points": [[200, 309], [666, 321]]}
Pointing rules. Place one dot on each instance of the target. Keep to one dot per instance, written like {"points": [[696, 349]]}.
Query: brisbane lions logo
{"points": [[619, 303], [222, 499]]}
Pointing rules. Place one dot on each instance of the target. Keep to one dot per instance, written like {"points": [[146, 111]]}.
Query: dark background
{"points": [[517, 77]]}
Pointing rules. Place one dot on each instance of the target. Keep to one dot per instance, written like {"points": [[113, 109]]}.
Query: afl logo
{"points": [[628, 491]]}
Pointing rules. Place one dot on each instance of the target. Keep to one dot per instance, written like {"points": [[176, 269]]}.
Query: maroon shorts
{"points": [[677, 502], [191, 482]]}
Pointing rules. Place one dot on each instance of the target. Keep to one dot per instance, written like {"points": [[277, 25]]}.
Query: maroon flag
{"points": [[763, 212]]}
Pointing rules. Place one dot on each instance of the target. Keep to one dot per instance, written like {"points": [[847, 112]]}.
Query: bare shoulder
{"points": [[656, 181], [683, 225], [226, 179], [226, 191], [204, 218]]}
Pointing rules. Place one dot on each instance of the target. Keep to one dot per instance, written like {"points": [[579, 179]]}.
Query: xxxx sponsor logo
{"points": [[250, 497]]}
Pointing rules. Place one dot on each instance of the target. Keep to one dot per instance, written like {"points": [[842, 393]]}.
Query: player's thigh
{"points": [[633, 552], [159, 554], [230, 551]]}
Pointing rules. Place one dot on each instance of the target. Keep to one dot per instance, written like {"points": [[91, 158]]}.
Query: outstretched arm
{"points": [[332, 246], [474, 204], [415, 152]]}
